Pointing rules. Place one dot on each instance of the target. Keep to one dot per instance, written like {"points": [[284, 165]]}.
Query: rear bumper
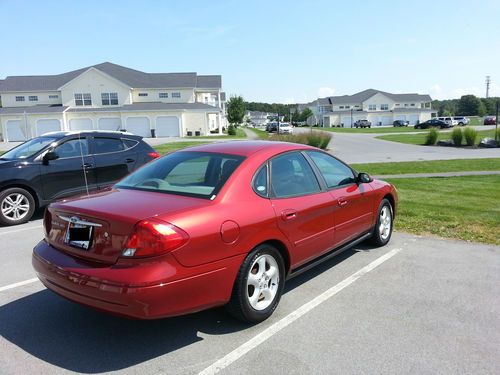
{"points": [[147, 290]]}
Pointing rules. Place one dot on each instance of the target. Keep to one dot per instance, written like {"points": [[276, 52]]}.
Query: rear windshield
{"points": [[198, 174], [28, 149]]}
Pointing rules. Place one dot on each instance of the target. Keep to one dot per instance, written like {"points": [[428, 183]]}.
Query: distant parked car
{"points": [[399, 123], [272, 127], [490, 120], [62, 164], [285, 128], [433, 123], [448, 120], [362, 124], [461, 120]]}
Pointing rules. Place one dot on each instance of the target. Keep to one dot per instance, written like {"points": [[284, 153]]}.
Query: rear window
{"points": [[199, 174]]}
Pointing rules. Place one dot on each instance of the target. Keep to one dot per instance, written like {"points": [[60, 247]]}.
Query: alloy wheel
{"points": [[262, 282], [15, 206]]}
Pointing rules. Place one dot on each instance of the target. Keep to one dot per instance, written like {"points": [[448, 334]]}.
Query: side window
{"points": [[333, 171], [106, 145], [260, 182], [129, 143], [72, 148], [291, 175]]}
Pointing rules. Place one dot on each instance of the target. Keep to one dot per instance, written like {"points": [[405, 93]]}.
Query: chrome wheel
{"points": [[263, 282], [15, 206], [385, 222]]}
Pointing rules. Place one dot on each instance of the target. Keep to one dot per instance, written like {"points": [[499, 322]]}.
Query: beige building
{"points": [[112, 97]]}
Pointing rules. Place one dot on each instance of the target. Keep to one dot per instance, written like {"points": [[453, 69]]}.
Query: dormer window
{"points": [[143, 94], [372, 107], [109, 98], [384, 107], [83, 99]]}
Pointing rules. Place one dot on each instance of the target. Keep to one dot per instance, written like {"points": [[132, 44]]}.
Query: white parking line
{"points": [[15, 285], [21, 229], [290, 318]]}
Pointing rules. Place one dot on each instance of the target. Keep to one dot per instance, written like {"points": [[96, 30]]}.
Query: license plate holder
{"points": [[79, 235]]}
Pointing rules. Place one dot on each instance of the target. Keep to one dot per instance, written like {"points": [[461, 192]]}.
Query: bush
{"points": [[470, 136], [315, 139], [231, 130], [456, 136], [431, 137]]}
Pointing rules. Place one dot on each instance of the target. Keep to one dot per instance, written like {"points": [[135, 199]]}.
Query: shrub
{"points": [[315, 139], [456, 136], [470, 136], [325, 141], [431, 137], [231, 130]]}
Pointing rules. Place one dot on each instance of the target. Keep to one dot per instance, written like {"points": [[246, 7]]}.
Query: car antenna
{"points": [[83, 163]]}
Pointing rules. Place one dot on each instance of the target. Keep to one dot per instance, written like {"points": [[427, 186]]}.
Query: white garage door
{"points": [[109, 123], [386, 120], [346, 121], [374, 120], [167, 126], [413, 119], [15, 131], [139, 126], [47, 126], [80, 124]]}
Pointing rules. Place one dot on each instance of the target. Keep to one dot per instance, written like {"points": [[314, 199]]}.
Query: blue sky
{"points": [[270, 51]]}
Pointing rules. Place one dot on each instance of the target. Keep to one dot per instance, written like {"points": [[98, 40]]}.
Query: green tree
{"points": [[469, 105], [296, 116], [235, 110], [306, 113]]}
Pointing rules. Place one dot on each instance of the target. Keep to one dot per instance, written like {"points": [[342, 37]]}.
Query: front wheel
{"points": [[16, 206], [383, 227], [258, 286]]}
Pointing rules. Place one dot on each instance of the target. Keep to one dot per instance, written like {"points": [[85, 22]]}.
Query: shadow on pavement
{"points": [[81, 339]]}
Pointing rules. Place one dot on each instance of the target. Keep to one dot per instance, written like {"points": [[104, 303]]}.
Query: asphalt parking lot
{"points": [[419, 305]]}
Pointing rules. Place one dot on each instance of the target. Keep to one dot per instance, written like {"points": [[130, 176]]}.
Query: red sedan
{"points": [[219, 224]]}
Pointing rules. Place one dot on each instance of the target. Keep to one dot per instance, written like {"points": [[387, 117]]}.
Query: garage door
{"points": [[80, 124], [346, 121], [386, 120], [109, 123], [47, 126], [167, 126], [414, 119], [15, 131], [139, 126], [374, 120]]}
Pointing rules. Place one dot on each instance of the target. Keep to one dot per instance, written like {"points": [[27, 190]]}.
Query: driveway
{"points": [[418, 305]]}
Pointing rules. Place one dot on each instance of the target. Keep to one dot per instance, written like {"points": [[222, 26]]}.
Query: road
{"points": [[418, 305]]}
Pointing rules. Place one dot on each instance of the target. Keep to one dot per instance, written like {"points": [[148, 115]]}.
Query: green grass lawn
{"points": [[381, 130], [262, 134], [419, 139], [464, 208], [433, 166], [174, 146], [239, 134]]}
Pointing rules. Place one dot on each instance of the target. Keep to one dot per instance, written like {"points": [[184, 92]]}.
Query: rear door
{"points": [[113, 158], [72, 173], [353, 203], [304, 212]]}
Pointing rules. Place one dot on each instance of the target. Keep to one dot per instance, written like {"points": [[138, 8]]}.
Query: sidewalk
{"points": [[440, 174]]}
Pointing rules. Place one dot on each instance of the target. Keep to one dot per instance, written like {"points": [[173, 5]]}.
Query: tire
{"points": [[254, 298], [383, 227], [16, 206]]}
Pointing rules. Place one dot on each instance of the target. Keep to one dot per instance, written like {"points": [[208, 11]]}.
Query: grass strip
{"points": [[419, 139]]}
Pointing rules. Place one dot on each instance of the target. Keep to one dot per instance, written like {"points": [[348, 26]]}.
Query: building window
{"points": [[33, 98], [406, 104], [143, 94], [397, 104], [372, 107], [53, 96], [412, 104], [83, 100], [347, 106], [163, 95], [341, 107], [176, 95], [384, 107], [20, 98], [109, 98]]}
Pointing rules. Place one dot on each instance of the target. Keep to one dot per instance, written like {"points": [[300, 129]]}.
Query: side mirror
{"points": [[364, 178], [50, 155]]}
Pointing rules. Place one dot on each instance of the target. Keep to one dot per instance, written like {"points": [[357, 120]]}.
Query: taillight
{"points": [[154, 154], [153, 237]]}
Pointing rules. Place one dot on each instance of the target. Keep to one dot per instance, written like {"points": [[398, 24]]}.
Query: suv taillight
{"points": [[153, 237], [154, 154]]}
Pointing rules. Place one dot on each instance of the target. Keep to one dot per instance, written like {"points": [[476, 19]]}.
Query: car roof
{"points": [[61, 134], [247, 148]]}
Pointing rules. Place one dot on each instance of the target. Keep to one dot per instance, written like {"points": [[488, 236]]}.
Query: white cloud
{"points": [[325, 91]]}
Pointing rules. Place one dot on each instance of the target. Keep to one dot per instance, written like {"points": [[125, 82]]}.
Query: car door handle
{"points": [[87, 166], [342, 201], [288, 214], [129, 160]]}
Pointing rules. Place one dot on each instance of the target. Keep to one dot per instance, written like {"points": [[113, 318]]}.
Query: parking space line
{"points": [[290, 318], [15, 285], [21, 229]]}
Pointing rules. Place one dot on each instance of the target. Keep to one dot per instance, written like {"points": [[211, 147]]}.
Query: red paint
{"points": [[199, 271]]}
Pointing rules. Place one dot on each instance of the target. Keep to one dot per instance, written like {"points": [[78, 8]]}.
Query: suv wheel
{"points": [[16, 206]]}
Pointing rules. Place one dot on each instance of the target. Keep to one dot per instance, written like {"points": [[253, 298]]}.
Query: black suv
{"points": [[62, 164]]}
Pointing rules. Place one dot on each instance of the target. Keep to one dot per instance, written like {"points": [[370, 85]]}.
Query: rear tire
{"points": [[383, 227], [258, 286], [16, 206]]}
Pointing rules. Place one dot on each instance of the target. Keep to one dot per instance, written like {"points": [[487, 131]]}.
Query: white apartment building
{"points": [[112, 97]]}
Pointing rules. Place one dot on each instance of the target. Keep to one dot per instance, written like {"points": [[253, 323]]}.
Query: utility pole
{"points": [[488, 82], [496, 124]]}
